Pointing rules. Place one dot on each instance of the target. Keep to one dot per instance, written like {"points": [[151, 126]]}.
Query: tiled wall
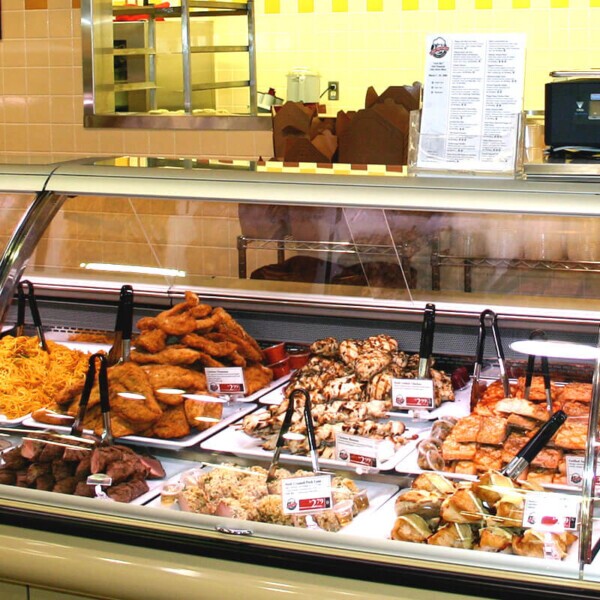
{"points": [[356, 42]]}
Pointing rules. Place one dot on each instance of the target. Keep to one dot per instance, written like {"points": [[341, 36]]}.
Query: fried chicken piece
{"points": [[147, 324], [199, 342], [172, 423], [129, 377], [210, 322], [179, 324], [172, 355], [243, 347], [152, 340], [202, 414], [69, 392], [171, 376], [237, 360], [200, 311], [257, 377], [228, 324], [120, 427], [208, 361], [179, 319]]}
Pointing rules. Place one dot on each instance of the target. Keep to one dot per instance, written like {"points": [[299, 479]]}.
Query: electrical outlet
{"points": [[333, 90]]}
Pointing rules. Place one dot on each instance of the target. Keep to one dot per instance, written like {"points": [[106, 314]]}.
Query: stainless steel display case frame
{"points": [[34, 509]]}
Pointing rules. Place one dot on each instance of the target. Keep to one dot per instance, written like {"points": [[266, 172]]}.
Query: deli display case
{"points": [[326, 420]]}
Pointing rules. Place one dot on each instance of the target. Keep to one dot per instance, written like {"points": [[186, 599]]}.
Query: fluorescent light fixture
{"points": [[292, 436], [555, 349], [207, 419], [132, 269]]}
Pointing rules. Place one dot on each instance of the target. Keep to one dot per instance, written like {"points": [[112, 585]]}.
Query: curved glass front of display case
{"points": [[231, 260]]}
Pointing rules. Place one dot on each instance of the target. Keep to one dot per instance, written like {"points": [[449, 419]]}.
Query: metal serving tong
{"points": [[426, 347], [121, 347], [476, 387], [22, 298], [77, 427], [287, 421], [538, 334], [534, 446]]}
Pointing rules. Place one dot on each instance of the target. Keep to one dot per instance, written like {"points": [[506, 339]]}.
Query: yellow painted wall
{"points": [[356, 42]]}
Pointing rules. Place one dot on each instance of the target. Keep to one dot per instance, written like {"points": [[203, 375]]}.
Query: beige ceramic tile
{"points": [[188, 143], [14, 53], [86, 140], [15, 138], [161, 143], [214, 143], [216, 232], [38, 81], [13, 5], [38, 136], [15, 81], [36, 22], [38, 54], [60, 23], [61, 52], [13, 25], [15, 109], [62, 109], [175, 228], [62, 80], [136, 143], [153, 206], [63, 138]]}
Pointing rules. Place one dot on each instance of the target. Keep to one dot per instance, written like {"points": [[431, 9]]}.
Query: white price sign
{"points": [[554, 513], [575, 466], [306, 494], [357, 450], [413, 393], [228, 381]]}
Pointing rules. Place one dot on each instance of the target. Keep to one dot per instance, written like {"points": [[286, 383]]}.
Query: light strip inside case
{"points": [[555, 349]]}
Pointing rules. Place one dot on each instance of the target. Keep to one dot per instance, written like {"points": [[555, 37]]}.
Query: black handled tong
{"points": [[285, 426], [476, 389], [426, 347], [26, 294], [522, 460], [538, 334], [121, 347], [90, 378]]}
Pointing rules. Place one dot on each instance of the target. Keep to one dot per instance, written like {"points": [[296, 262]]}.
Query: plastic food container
{"points": [[281, 368], [275, 353]]}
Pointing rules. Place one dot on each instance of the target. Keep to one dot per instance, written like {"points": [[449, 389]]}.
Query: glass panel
{"points": [[12, 209], [532, 260], [208, 243]]}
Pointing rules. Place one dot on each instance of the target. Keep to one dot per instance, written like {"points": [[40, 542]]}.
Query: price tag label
{"points": [[306, 494], [575, 469], [413, 393], [228, 381], [550, 512], [357, 450]]}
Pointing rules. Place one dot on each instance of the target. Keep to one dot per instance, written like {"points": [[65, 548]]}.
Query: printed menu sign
{"points": [[472, 99]]}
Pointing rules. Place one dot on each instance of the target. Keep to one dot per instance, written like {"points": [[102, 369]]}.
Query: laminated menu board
{"points": [[472, 102]]}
